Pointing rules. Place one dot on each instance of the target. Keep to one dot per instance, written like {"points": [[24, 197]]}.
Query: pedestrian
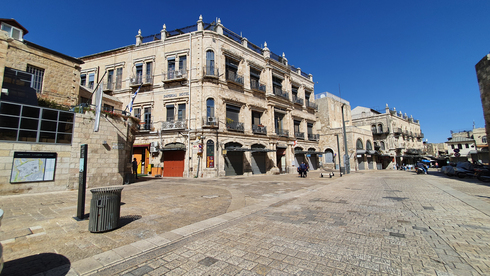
{"points": [[302, 169], [135, 167]]}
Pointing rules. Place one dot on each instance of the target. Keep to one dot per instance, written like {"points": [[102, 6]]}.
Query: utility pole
{"points": [[346, 155]]}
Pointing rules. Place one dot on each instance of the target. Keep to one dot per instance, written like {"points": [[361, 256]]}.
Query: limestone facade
{"points": [[211, 103], [61, 73], [483, 77], [109, 153], [397, 137]]}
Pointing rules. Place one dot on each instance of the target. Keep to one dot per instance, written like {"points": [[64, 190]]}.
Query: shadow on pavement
{"points": [[56, 264], [125, 220]]}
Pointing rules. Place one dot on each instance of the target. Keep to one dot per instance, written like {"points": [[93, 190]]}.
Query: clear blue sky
{"points": [[416, 56]]}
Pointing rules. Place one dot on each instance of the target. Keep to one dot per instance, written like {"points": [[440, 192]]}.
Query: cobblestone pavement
{"points": [[366, 223]]}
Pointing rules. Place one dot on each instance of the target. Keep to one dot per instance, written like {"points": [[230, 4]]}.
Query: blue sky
{"points": [[416, 56]]}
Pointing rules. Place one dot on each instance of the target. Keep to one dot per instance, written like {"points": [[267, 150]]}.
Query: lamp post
{"points": [[346, 156]]}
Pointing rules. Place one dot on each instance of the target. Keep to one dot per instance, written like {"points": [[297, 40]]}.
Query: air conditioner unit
{"points": [[153, 149], [154, 144], [178, 75], [211, 119]]}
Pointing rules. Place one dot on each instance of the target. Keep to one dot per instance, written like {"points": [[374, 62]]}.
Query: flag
{"points": [[130, 105]]}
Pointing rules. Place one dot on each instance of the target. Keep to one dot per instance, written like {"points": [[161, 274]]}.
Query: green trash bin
{"points": [[105, 209]]}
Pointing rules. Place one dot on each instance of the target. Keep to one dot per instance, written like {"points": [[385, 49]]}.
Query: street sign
{"points": [[456, 150], [457, 154]]}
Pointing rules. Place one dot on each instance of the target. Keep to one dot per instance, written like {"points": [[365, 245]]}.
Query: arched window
{"points": [[210, 108], [329, 158], [484, 139], [380, 128], [369, 146], [382, 145], [373, 128], [359, 144], [210, 63]]}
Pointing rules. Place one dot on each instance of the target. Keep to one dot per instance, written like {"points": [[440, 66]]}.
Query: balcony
{"points": [[175, 75], [232, 76], [145, 126], [211, 72], [380, 132], [257, 86], [259, 129], [397, 130], [278, 92], [313, 137], [299, 135], [210, 122], [311, 105], [235, 126], [108, 87], [297, 100], [141, 80], [171, 125], [282, 132]]}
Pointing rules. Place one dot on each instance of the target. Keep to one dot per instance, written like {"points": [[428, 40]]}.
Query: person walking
{"points": [[135, 167], [302, 169]]}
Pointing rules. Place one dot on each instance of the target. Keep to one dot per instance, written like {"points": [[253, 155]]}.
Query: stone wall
{"points": [[109, 155], [483, 76]]}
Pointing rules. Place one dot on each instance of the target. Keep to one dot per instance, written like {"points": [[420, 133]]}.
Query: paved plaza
{"points": [[365, 223]]}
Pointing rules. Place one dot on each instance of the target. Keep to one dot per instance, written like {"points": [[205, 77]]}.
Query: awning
{"points": [[359, 151], [176, 146], [237, 149], [261, 150], [472, 152], [141, 145], [371, 152]]}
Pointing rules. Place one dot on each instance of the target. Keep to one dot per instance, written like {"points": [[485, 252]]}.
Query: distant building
{"points": [[468, 145], [397, 137]]}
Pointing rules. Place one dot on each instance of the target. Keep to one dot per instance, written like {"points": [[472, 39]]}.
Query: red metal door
{"points": [[173, 163]]}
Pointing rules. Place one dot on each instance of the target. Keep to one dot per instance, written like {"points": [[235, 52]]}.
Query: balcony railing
{"points": [[255, 85], [299, 135], [211, 71], [234, 77], [297, 100], [170, 125], [259, 129], [311, 105], [397, 130], [145, 126], [380, 132], [235, 126], [109, 86], [282, 132], [141, 80], [278, 91], [313, 137], [175, 75], [210, 122]]}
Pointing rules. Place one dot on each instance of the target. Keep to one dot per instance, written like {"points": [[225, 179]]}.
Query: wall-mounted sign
{"points": [[33, 167]]}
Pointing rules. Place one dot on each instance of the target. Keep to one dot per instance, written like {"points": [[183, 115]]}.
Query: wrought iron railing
{"points": [[140, 79], [380, 131], [255, 48], [311, 105], [277, 58], [297, 100], [282, 132], [179, 124], [299, 135], [145, 126], [313, 137], [304, 74], [176, 75], [232, 35], [278, 91], [234, 77], [259, 129], [236, 126], [211, 71], [256, 85]]}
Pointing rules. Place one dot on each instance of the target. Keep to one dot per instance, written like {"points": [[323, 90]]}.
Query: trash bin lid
{"points": [[107, 190]]}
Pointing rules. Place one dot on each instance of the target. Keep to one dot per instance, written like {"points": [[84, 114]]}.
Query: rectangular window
{"points": [[110, 77], [232, 113], [12, 31], [83, 79], [38, 75], [139, 73], [256, 118], [108, 108], [118, 78], [182, 64], [170, 113], [137, 113], [310, 128], [147, 118], [181, 112], [149, 72], [231, 69], [278, 122], [171, 68], [297, 126], [91, 80]]}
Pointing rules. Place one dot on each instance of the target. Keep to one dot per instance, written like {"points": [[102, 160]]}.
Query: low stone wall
{"points": [[109, 156]]}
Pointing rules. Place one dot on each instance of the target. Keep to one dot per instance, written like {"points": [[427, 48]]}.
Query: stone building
{"points": [[397, 137], [360, 149], [210, 102], [52, 75], [468, 145], [483, 77]]}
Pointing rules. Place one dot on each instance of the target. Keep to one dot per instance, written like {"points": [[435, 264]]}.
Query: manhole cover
{"points": [[208, 261]]}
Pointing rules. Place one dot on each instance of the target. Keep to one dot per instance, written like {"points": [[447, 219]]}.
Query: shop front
{"points": [[174, 160]]}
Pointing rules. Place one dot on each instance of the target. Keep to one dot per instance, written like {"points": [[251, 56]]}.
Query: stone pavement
{"points": [[366, 223]]}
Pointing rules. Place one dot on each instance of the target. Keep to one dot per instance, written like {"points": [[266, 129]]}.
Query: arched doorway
{"points": [[233, 159]]}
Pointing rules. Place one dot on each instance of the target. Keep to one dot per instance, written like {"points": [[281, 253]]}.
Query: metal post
{"points": [[338, 149], [82, 182], [346, 156]]}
